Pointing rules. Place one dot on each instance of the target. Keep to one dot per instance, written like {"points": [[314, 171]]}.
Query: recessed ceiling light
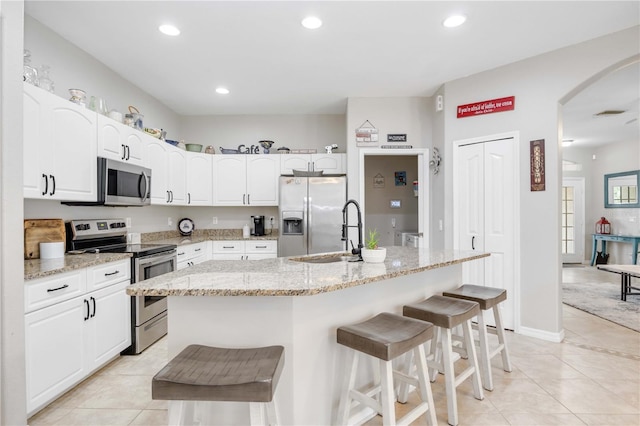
{"points": [[311, 22], [222, 91], [169, 30], [454, 21]]}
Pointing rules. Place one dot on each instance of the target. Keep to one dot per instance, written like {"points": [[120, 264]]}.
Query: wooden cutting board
{"points": [[38, 231]]}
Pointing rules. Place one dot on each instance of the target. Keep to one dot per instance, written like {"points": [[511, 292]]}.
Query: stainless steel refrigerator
{"points": [[311, 214]]}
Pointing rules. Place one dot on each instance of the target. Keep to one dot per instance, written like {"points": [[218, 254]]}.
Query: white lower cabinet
{"points": [[67, 337], [192, 254], [244, 250]]}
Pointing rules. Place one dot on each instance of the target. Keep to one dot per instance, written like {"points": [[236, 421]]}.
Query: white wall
{"points": [[13, 406], [538, 84], [292, 131], [73, 68]]}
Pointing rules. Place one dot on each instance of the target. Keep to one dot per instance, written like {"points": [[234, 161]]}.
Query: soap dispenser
{"points": [[245, 231]]}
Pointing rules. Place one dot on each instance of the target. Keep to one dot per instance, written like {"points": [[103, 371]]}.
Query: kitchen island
{"points": [[297, 304]]}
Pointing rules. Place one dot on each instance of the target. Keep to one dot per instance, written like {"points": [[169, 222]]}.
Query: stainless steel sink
{"points": [[325, 258]]}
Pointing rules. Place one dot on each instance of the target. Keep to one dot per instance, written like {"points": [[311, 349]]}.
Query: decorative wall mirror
{"points": [[621, 189]]}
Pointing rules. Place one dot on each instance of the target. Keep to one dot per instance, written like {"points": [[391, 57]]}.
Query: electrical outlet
{"points": [[214, 220], [393, 222], [128, 222], [169, 221]]}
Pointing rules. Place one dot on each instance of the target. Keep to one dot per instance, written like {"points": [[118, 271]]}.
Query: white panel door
{"points": [[487, 206], [471, 204]]}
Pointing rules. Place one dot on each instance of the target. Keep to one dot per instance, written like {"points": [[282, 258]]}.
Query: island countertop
{"points": [[286, 277]]}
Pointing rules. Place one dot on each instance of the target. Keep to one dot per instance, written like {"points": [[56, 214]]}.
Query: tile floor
{"points": [[591, 378]]}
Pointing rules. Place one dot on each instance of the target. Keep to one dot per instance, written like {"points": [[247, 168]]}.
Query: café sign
{"points": [[487, 107]]}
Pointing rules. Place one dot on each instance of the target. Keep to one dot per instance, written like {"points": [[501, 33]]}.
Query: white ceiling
{"points": [[272, 65]]}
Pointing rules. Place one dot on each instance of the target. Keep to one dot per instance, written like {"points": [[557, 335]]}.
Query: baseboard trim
{"points": [[541, 334]]}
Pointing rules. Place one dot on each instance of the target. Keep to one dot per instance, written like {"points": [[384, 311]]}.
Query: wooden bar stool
{"points": [[447, 313], [385, 337], [204, 373], [487, 298]]}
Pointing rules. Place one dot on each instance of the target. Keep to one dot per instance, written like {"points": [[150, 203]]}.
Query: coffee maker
{"points": [[258, 225]]}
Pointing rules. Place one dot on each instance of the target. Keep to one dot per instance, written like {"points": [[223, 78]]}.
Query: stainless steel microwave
{"points": [[121, 184]]}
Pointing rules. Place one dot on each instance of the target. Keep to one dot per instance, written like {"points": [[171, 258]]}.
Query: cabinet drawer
{"points": [[47, 291], [228, 246], [262, 246], [189, 251], [108, 274]]}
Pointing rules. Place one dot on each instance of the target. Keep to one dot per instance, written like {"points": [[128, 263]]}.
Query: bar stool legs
{"points": [[385, 337], [446, 313], [487, 298]]}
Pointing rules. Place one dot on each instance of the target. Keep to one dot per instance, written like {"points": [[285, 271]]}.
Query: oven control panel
{"points": [[95, 228]]}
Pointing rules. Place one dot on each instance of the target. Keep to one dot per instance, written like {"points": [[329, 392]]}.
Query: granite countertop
{"points": [[285, 277], [39, 268], [198, 236]]}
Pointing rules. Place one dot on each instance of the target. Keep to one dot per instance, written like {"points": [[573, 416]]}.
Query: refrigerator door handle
{"points": [[306, 225]]}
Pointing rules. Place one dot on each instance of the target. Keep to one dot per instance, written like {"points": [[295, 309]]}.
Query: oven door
{"points": [[147, 267]]}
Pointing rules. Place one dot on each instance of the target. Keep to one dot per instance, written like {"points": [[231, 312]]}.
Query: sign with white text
{"points": [[487, 107]]}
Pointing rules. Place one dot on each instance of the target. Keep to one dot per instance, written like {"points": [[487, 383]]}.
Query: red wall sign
{"points": [[487, 107]]}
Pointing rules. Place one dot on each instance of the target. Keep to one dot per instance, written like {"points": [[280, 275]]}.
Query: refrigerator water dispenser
{"points": [[292, 223]]}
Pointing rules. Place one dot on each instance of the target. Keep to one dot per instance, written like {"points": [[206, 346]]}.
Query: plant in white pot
{"points": [[371, 252]]}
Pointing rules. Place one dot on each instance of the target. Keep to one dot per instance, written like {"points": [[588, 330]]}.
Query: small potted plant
{"points": [[371, 252]]}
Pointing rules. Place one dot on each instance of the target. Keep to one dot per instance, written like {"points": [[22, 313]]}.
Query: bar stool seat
{"points": [[487, 298], [385, 337], [205, 373], [447, 313]]}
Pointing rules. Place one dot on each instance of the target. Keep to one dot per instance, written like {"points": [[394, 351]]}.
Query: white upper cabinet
{"points": [[199, 179], [119, 142], [168, 179], [245, 180], [60, 148], [329, 163]]}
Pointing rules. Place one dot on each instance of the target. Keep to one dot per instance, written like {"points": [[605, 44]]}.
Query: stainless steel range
{"points": [[148, 313]]}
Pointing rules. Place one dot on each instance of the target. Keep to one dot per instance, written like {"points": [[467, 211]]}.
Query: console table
{"points": [[617, 238]]}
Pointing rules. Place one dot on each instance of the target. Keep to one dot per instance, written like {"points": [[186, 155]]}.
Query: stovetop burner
{"points": [[107, 236]]}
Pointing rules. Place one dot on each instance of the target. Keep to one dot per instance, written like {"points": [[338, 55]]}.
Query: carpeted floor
{"points": [[598, 292]]}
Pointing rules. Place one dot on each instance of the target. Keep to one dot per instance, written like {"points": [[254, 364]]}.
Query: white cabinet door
{"points": [[60, 148], [199, 179], [229, 180], [177, 184], [156, 157], [168, 179], [54, 350], [330, 164], [291, 162], [109, 324], [263, 172], [119, 142]]}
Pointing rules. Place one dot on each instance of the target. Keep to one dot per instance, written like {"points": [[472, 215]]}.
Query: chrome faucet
{"points": [[346, 226]]}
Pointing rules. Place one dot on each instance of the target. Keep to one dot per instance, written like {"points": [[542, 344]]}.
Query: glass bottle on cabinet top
{"points": [[44, 81], [29, 74]]}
